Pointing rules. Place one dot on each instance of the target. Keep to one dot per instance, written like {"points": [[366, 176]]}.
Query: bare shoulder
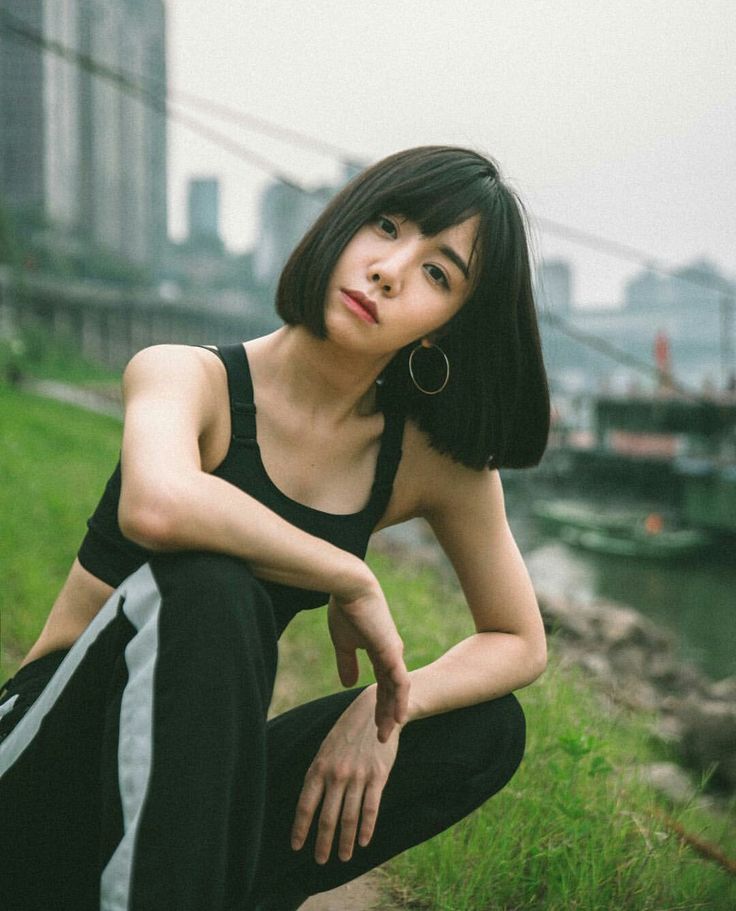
{"points": [[174, 389], [434, 486], [184, 363]]}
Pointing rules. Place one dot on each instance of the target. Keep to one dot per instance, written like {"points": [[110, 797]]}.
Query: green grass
{"points": [[572, 832], [54, 461]]}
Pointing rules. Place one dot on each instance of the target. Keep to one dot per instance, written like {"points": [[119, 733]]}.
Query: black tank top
{"points": [[110, 556]]}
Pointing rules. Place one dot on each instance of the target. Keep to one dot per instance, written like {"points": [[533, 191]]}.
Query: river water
{"points": [[694, 599]]}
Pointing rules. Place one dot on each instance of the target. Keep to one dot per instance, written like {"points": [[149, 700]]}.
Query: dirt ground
{"points": [[362, 894]]}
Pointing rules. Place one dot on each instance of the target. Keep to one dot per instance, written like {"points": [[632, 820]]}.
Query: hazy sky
{"points": [[617, 117]]}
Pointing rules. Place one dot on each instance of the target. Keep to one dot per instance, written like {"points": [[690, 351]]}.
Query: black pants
{"points": [[139, 773]]}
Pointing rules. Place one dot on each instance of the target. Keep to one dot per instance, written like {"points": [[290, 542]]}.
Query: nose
{"points": [[388, 272], [378, 279]]}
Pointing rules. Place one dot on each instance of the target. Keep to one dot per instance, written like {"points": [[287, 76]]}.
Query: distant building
{"points": [[75, 149], [685, 307], [286, 214], [646, 291], [695, 287], [699, 283], [203, 204], [554, 285]]}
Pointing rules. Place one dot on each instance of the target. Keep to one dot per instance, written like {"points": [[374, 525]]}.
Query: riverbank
{"points": [[633, 663]]}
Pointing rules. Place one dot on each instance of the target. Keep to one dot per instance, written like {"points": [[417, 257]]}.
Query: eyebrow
{"points": [[455, 258]]}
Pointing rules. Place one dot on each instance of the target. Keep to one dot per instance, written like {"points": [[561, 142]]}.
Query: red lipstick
{"points": [[361, 305]]}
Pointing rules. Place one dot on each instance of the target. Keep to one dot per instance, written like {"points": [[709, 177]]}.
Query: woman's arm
{"points": [[169, 503], [465, 509]]}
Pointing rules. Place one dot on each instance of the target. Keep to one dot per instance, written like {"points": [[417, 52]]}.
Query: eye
{"points": [[387, 225], [437, 275]]}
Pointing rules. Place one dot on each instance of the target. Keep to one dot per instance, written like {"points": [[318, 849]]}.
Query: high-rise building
{"points": [[554, 285], [285, 215], [75, 148], [203, 203]]}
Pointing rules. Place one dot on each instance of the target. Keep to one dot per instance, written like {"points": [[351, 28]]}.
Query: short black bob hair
{"points": [[495, 410]]}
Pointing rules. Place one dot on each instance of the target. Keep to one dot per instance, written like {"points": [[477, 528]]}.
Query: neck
{"points": [[316, 375]]}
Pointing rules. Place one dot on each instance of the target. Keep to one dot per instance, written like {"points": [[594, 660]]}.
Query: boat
{"points": [[585, 515], [629, 532], [637, 542]]}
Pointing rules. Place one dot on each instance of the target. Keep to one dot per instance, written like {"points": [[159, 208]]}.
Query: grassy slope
{"points": [[570, 832], [54, 461]]}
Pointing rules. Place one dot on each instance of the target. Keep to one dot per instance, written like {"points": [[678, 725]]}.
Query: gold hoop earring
{"points": [[411, 369]]}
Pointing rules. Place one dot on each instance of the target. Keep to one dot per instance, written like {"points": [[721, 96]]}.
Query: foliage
{"points": [[29, 239], [33, 352]]}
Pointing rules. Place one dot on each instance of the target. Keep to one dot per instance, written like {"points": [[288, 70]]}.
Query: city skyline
{"points": [[615, 119]]}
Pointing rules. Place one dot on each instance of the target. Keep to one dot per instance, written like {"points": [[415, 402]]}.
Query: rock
{"points": [[630, 661], [599, 665], [661, 666], [723, 689], [641, 695], [669, 779], [619, 625], [669, 729], [562, 614], [709, 737]]}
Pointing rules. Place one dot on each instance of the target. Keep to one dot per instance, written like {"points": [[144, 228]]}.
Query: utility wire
{"points": [[603, 346], [154, 93], [123, 81], [261, 125], [18, 30], [632, 254]]}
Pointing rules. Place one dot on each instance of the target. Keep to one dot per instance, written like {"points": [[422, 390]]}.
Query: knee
{"points": [[511, 724], [212, 584], [495, 739], [219, 574]]}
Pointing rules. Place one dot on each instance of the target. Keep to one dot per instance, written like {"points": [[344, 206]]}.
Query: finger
{"points": [[384, 711], [306, 807], [347, 666], [349, 819], [369, 815], [392, 704], [327, 824]]}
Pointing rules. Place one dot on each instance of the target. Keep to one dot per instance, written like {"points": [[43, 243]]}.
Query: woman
{"points": [[136, 763]]}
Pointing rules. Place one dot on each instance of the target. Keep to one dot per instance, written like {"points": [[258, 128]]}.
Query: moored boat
{"points": [[662, 545]]}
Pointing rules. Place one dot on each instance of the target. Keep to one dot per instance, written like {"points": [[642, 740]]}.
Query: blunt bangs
{"points": [[495, 408]]}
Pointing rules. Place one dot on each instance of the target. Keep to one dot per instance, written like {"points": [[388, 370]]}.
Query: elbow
{"points": [[538, 659], [148, 523]]}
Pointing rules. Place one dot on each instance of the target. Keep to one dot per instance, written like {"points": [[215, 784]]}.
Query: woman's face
{"points": [[393, 285]]}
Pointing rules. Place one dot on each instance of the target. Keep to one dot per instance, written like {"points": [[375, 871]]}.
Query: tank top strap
{"points": [[240, 390], [389, 457]]}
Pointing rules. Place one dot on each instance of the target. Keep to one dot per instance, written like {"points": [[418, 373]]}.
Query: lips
{"points": [[360, 304]]}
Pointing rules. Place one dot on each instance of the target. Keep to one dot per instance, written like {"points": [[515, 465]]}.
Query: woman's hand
{"points": [[363, 620], [348, 776]]}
